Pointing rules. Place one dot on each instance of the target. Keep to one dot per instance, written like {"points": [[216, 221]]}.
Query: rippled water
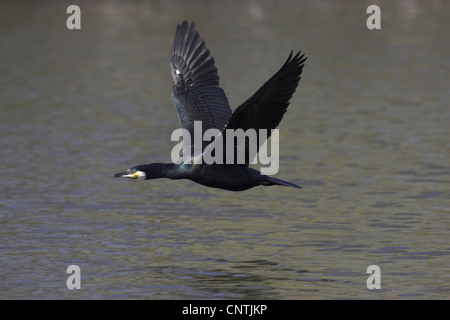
{"points": [[366, 136]]}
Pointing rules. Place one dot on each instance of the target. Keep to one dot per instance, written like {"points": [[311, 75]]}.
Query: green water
{"points": [[366, 135]]}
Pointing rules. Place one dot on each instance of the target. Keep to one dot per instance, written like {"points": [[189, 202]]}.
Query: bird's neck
{"points": [[164, 170]]}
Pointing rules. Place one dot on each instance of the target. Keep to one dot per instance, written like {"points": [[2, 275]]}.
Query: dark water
{"points": [[366, 135]]}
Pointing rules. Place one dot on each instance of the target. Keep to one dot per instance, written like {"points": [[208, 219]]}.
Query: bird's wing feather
{"points": [[196, 93], [265, 109]]}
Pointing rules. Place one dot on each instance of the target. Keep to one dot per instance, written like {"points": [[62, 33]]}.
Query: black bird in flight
{"points": [[197, 96]]}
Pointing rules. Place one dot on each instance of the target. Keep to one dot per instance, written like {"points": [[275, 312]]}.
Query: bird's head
{"points": [[149, 171], [136, 172]]}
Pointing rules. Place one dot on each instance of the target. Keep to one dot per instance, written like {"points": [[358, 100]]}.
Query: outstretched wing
{"points": [[265, 109], [196, 93]]}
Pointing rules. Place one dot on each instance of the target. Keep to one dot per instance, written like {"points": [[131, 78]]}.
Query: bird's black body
{"points": [[197, 96]]}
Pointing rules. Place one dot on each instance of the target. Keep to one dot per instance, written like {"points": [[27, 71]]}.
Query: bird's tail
{"points": [[270, 181]]}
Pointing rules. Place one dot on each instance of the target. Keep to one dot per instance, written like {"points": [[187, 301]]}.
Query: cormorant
{"points": [[197, 96]]}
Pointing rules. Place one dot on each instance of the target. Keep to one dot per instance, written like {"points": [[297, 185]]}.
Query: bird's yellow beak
{"points": [[131, 175]]}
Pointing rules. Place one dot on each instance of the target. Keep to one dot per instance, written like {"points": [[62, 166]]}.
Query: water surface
{"points": [[366, 135]]}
